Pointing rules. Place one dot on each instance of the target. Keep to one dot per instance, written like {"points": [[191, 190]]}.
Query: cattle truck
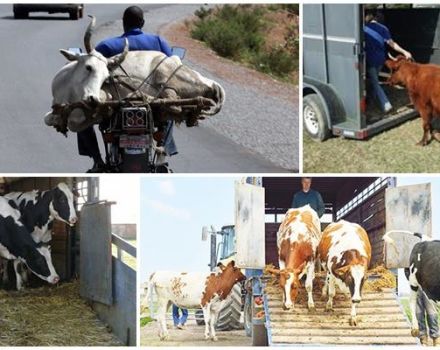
{"points": [[334, 70], [260, 207]]}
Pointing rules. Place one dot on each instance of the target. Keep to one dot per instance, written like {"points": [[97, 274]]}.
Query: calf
{"points": [[38, 211], [17, 243], [423, 272], [297, 239], [194, 290], [345, 253], [423, 84]]}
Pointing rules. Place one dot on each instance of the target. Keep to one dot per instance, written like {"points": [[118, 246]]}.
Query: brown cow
{"points": [[423, 84]]}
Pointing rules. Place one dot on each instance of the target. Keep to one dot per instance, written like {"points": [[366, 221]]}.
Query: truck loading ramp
{"points": [[381, 320]]}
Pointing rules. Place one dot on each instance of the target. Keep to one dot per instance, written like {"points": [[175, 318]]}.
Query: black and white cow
{"points": [[423, 272], [38, 210], [16, 243]]}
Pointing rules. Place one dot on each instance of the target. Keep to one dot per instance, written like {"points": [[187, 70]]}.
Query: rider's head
{"points": [[133, 18]]}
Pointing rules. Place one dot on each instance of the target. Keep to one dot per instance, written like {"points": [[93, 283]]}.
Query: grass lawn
{"points": [[405, 304], [393, 151]]}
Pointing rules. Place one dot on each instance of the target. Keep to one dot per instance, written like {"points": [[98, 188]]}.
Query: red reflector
{"points": [[363, 104]]}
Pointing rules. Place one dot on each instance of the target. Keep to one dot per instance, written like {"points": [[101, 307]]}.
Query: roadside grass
{"points": [[263, 37], [146, 320], [405, 304], [393, 151]]}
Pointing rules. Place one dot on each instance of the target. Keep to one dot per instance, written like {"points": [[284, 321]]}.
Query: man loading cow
{"points": [[133, 22], [308, 196], [377, 41]]}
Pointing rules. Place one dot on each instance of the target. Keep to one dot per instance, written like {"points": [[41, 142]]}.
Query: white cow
{"points": [[84, 79], [193, 290]]}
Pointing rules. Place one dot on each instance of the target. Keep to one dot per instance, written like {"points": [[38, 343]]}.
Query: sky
{"points": [[173, 212], [124, 190]]}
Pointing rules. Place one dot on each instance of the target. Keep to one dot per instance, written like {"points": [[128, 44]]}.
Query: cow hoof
{"points": [[353, 322], [214, 338], [421, 143], [312, 309], [329, 309], [436, 135], [207, 337], [415, 332]]}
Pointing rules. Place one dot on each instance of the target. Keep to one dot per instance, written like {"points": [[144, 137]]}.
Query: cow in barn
{"points": [[38, 211], [17, 243], [297, 239], [345, 253], [194, 290], [423, 273], [423, 84], [85, 78]]}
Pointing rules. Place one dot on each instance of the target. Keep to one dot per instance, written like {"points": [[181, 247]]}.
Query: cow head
{"points": [[289, 284], [353, 275], [39, 261], [231, 274], [86, 75], [62, 205], [398, 76]]}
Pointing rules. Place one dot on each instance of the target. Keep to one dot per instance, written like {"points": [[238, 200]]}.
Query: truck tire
{"points": [[229, 316], [315, 120]]}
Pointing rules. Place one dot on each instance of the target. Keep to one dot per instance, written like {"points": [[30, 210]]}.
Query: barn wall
{"points": [[371, 216], [121, 315]]}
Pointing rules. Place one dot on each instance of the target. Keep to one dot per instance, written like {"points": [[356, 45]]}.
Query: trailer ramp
{"points": [[381, 320]]}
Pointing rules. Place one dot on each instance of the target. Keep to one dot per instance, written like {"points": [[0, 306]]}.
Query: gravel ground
{"points": [[192, 335], [262, 122]]}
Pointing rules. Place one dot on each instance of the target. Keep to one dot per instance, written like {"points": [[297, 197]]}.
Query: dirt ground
{"points": [[192, 335]]}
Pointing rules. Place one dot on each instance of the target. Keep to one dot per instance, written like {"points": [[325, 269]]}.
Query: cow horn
{"points": [[118, 59], [88, 34], [392, 57]]}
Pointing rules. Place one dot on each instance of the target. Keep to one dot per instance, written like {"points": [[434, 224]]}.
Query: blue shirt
{"points": [[137, 41], [312, 198], [376, 37]]}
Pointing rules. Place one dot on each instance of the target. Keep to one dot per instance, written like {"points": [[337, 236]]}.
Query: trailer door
{"points": [[408, 210], [249, 226], [332, 37]]}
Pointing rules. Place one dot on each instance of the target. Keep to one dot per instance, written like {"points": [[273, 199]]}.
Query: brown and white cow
{"points": [[297, 239], [345, 253], [193, 290]]}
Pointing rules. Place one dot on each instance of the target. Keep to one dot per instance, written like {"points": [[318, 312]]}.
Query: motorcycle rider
{"points": [[133, 21]]}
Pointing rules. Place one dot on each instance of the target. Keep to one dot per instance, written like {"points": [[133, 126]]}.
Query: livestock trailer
{"points": [[97, 275], [335, 100], [367, 201]]}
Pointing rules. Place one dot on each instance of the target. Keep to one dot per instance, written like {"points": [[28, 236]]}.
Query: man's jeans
{"points": [[176, 317], [428, 308], [375, 88]]}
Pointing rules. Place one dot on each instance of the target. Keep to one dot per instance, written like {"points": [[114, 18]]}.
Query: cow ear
{"points": [[221, 266], [69, 55], [232, 263]]}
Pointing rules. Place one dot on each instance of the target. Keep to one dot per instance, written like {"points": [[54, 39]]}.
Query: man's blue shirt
{"points": [[312, 198], [137, 41], [376, 43]]}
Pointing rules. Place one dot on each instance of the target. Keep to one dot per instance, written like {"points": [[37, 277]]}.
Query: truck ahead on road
{"points": [[371, 202], [335, 100], [75, 11]]}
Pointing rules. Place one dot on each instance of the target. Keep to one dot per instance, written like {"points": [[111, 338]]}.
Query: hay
{"points": [[380, 278], [50, 316]]}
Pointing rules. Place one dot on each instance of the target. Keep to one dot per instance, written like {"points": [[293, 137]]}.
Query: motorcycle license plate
{"points": [[133, 141]]}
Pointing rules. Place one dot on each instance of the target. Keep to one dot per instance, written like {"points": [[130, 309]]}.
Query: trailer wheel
{"points": [[315, 118], [229, 316]]}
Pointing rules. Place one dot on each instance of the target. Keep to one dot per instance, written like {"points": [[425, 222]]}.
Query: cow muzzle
{"points": [[73, 221], [355, 301], [54, 280]]}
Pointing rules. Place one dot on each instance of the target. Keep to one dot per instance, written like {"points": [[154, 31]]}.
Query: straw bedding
{"points": [[50, 316]]}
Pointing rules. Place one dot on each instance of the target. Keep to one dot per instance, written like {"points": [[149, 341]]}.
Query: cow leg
{"points": [[16, 263], [5, 276], [353, 320], [413, 283], [207, 316], [161, 319], [331, 293], [324, 291], [309, 285], [213, 321], [425, 114]]}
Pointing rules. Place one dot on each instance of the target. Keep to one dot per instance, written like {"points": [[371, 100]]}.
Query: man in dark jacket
{"points": [[308, 196]]}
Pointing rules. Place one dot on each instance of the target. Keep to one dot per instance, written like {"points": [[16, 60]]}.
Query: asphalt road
{"points": [[29, 61]]}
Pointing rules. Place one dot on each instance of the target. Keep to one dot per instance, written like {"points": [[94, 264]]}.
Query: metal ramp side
{"points": [[381, 321]]}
